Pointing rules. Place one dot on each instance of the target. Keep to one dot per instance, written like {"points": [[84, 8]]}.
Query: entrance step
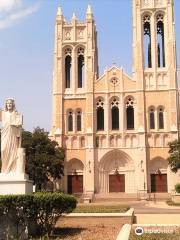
{"points": [[159, 196], [115, 197]]}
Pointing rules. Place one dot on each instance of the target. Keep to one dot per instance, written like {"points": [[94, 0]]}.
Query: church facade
{"points": [[115, 128]]}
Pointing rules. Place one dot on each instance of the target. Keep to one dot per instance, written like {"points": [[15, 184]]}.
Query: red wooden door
{"points": [[117, 183], [158, 182], [75, 183]]}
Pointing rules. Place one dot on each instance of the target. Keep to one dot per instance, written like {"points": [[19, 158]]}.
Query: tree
{"points": [[44, 158], [174, 157]]}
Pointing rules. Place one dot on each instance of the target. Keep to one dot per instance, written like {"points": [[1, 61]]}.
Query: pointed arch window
{"points": [[115, 114], [147, 41], [161, 118], [152, 118], [160, 40], [130, 113], [68, 63], [70, 121], [100, 114], [80, 67], [79, 121]]}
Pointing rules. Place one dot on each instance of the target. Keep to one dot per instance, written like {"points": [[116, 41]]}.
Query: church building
{"points": [[115, 128]]}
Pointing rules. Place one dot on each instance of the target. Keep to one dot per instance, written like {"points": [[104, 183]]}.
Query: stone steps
{"points": [[116, 197]]}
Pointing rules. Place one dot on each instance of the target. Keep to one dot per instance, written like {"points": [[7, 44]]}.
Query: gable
{"points": [[114, 79]]}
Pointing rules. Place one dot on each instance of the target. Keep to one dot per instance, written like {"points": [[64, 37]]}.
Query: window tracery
{"points": [[80, 67], [160, 40], [147, 41], [68, 63], [130, 113], [70, 121], [100, 114], [115, 113], [79, 121]]}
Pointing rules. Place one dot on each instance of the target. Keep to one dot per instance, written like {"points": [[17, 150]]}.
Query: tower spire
{"points": [[74, 18], [59, 11], [89, 13]]}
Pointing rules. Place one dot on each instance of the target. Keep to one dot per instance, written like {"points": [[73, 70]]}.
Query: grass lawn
{"points": [[171, 203], [155, 237], [88, 233], [81, 208]]}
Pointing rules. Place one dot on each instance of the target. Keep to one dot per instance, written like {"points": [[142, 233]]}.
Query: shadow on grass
{"points": [[65, 231]]}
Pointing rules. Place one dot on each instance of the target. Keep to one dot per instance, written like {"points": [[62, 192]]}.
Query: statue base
{"points": [[13, 183]]}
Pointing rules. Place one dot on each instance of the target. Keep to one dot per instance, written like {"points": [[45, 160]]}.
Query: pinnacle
{"points": [[59, 11]]}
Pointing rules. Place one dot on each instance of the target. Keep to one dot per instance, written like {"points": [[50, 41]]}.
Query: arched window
{"points": [[68, 61], [78, 121], [160, 40], [151, 119], [161, 118], [115, 114], [147, 41], [130, 113], [70, 121], [80, 67], [100, 114]]}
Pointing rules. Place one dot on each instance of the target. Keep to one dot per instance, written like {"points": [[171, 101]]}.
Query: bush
{"points": [[24, 216], [177, 187]]}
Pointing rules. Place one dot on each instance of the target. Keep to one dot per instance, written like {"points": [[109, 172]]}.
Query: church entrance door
{"points": [[117, 183], [158, 182], [75, 183]]}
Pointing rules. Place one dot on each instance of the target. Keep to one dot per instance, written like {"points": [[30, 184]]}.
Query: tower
{"points": [[155, 72], [75, 69]]}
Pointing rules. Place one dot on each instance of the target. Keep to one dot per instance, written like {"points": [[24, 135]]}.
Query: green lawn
{"points": [[155, 237], [171, 203], [101, 209]]}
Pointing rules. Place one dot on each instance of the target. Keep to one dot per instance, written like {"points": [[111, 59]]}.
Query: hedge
{"points": [[25, 216], [177, 187]]}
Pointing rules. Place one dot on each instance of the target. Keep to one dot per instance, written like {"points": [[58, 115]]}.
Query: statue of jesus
{"points": [[10, 137]]}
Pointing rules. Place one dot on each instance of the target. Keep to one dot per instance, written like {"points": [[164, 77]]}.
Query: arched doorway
{"points": [[75, 169], [158, 174], [116, 173]]}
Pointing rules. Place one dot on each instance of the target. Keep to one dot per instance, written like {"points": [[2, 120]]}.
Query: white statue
{"points": [[12, 155]]}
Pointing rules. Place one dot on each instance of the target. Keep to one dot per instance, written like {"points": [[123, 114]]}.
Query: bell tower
{"points": [[75, 71], [154, 46], [155, 72], [75, 66]]}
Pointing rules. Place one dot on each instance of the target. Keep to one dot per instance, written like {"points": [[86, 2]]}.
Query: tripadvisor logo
{"points": [[139, 231]]}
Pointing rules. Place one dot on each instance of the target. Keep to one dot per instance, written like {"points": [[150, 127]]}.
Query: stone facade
{"points": [[114, 124]]}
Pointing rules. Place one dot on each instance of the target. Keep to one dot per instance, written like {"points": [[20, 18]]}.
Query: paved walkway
{"points": [[146, 207]]}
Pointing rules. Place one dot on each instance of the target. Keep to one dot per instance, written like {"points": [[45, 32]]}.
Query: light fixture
{"points": [[74, 172], [116, 172], [158, 171], [89, 165]]}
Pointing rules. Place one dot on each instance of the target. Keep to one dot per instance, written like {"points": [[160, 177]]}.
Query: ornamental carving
{"points": [[114, 81], [81, 34], [68, 35]]}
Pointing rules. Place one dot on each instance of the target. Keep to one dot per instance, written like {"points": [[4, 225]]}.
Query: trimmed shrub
{"points": [[177, 187], [24, 216]]}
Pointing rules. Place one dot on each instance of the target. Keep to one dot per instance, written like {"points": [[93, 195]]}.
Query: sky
{"points": [[27, 45]]}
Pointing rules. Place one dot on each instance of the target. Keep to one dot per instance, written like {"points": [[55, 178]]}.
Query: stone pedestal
{"points": [[176, 197], [15, 184]]}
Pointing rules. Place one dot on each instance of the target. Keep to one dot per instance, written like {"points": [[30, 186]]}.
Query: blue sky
{"points": [[27, 43]]}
